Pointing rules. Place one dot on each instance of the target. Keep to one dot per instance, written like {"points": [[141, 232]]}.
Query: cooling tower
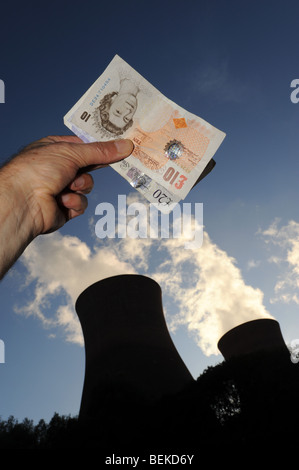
{"points": [[252, 337], [128, 348]]}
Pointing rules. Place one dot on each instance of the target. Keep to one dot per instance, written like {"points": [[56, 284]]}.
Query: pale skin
{"points": [[45, 185]]}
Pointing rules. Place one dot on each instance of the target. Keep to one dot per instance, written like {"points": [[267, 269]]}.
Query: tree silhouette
{"points": [[248, 401]]}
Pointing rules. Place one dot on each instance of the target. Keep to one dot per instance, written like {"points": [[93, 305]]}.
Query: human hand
{"points": [[50, 177]]}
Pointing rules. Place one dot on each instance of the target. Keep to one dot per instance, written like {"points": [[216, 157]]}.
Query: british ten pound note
{"points": [[172, 147]]}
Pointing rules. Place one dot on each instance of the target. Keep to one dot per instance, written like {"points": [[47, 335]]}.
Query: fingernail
{"points": [[124, 147], [65, 198], [79, 182]]}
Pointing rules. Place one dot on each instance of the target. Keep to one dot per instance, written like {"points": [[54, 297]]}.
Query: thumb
{"points": [[98, 154]]}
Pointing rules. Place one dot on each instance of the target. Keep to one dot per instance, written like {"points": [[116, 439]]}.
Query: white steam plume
{"points": [[206, 289]]}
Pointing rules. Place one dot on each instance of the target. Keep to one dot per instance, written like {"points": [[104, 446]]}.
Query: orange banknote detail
{"points": [[183, 144], [179, 123]]}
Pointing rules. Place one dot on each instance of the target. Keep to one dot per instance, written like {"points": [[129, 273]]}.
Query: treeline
{"points": [[27, 435], [250, 402]]}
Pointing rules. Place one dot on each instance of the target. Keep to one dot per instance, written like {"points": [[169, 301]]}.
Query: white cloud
{"points": [[65, 265], [285, 240], [252, 263], [210, 292], [202, 289], [271, 231]]}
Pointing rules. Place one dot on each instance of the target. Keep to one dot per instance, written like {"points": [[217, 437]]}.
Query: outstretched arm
{"points": [[44, 186]]}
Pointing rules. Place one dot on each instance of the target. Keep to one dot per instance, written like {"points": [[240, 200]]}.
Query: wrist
{"points": [[14, 188], [17, 227]]}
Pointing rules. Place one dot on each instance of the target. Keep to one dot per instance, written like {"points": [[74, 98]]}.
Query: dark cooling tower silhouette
{"points": [[128, 348], [254, 336]]}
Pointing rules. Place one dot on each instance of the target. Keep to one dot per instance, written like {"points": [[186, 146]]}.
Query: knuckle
{"points": [[103, 150]]}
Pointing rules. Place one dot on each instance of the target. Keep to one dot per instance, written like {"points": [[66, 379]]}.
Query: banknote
{"points": [[172, 147]]}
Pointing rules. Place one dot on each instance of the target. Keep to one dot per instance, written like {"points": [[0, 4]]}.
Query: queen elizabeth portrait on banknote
{"points": [[116, 110]]}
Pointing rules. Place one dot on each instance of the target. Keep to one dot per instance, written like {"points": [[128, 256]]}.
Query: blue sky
{"points": [[232, 64]]}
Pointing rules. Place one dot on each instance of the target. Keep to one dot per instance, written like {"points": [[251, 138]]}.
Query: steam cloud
{"points": [[202, 289]]}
